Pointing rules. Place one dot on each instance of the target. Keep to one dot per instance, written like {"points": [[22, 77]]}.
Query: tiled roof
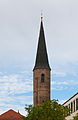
{"points": [[11, 115]]}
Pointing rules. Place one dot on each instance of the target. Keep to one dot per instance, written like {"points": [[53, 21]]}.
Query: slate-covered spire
{"points": [[41, 57]]}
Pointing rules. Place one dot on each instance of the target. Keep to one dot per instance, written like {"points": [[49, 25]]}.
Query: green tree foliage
{"points": [[75, 117], [49, 110]]}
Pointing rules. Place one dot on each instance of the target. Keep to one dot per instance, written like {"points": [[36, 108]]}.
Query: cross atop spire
{"points": [[41, 57]]}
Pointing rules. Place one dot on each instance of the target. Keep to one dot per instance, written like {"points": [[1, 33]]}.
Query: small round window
{"points": [[42, 78]]}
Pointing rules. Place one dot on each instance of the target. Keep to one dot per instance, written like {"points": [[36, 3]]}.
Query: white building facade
{"points": [[72, 103]]}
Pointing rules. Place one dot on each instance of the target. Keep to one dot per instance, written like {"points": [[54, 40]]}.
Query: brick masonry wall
{"points": [[41, 90]]}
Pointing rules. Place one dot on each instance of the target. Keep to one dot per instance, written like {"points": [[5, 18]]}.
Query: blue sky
{"points": [[19, 32]]}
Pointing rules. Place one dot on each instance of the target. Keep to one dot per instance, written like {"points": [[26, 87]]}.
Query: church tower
{"points": [[41, 71]]}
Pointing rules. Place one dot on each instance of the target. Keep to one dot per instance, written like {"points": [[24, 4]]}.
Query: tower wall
{"points": [[41, 85]]}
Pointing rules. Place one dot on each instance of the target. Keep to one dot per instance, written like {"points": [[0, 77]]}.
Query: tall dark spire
{"points": [[41, 57]]}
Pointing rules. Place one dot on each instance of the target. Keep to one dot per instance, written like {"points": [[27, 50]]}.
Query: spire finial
{"points": [[41, 15]]}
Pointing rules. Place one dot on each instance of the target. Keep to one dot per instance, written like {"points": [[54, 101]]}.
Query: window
{"points": [[42, 78], [77, 104], [74, 105], [42, 101], [71, 107]]}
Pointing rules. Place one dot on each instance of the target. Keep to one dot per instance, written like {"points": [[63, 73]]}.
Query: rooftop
{"points": [[11, 115]]}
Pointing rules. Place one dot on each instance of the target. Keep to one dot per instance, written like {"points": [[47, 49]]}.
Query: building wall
{"points": [[41, 89], [72, 103]]}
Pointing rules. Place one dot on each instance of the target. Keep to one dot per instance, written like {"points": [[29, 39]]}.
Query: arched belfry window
{"points": [[42, 78]]}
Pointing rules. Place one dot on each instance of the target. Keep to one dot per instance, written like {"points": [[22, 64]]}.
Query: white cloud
{"points": [[14, 84], [63, 84], [14, 102], [14, 107], [61, 101], [58, 88], [60, 83], [1, 73], [59, 74], [13, 89]]}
